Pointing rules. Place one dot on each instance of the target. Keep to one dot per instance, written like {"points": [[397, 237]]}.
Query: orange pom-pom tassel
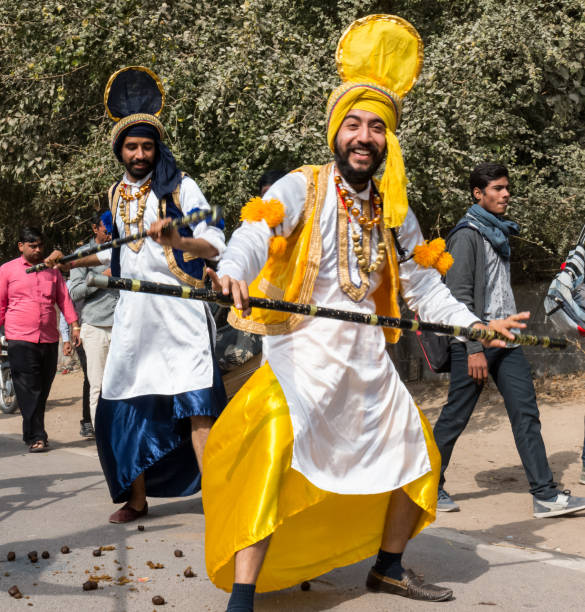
{"points": [[257, 209], [436, 247], [252, 211], [278, 246], [424, 255], [273, 212], [444, 262], [433, 254]]}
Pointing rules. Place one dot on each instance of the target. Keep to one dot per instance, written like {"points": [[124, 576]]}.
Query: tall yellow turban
{"points": [[379, 58]]}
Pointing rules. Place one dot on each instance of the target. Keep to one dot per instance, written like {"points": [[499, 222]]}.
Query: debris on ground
{"points": [[90, 585], [14, 591]]}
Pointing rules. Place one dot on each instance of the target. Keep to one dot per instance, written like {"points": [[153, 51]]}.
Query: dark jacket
{"points": [[466, 277]]}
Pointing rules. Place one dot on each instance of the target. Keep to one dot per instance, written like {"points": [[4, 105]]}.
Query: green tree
{"points": [[247, 84]]}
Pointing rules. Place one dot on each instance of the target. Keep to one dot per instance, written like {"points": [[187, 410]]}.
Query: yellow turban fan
{"points": [[379, 58]]}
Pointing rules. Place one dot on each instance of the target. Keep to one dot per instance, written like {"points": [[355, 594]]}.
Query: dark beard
{"points": [[138, 173], [358, 177]]}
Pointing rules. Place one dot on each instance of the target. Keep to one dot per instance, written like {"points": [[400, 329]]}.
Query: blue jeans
{"points": [[511, 373]]}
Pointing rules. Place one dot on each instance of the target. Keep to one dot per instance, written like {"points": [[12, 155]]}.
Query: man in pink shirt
{"points": [[27, 311]]}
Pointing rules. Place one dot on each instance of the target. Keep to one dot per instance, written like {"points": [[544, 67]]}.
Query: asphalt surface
{"points": [[60, 499]]}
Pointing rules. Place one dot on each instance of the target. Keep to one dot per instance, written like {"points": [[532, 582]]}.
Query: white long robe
{"points": [[160, 344], [356, 427]]}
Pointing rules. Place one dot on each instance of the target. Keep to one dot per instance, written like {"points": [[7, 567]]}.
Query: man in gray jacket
{"points": [[96, 311], [480, 278]]}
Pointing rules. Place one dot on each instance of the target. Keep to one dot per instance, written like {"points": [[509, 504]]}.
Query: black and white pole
{"points": [[311, 310], [212, 216]]}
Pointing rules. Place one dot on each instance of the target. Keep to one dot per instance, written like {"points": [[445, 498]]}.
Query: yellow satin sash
{"points": [[250, 492]]}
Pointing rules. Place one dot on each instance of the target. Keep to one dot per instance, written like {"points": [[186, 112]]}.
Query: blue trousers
{"points": [[511, 373]]}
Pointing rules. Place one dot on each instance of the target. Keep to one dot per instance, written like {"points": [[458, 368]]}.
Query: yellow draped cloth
{"points": [[250, 492]]}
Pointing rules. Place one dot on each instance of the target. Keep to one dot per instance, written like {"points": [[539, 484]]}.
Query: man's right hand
{"points": [[477, 367], [67, 350], [238, 289]]}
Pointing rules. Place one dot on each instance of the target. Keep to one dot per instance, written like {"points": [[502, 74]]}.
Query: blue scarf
{"points": [[493, 228]]}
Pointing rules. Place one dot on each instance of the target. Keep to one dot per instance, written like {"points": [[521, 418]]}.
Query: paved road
{"points": [[60, 498]]}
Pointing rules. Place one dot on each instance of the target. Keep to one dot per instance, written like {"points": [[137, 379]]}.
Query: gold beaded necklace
{"points": [[141, 195], [125, 198], [366, 224]]}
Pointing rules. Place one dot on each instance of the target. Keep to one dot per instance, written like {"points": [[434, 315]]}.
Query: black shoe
{"points": [[86, 430], [410, 586]]}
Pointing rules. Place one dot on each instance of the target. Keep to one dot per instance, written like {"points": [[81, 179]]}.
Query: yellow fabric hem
{"points": [[251, 492]]}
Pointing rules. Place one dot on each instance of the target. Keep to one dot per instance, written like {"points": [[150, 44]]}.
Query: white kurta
{"points": [[160, 345], [356, 427]]}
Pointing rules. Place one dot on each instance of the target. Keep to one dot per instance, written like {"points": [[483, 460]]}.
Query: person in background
{"points": [[480, 278], [86, 430], [27, 311], [268, 179], [96, 310]]}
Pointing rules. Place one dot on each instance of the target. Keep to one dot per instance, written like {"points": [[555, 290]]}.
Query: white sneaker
{"points": [[445, 503], [563, 503]]}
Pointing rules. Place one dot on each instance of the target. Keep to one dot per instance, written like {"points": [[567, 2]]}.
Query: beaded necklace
{"points": [[125, 198], [141, 195], [366, 223]]}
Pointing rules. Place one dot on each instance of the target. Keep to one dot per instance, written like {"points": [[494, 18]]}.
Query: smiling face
{"points": [[495, 197], [138, 156], [360, 146]]}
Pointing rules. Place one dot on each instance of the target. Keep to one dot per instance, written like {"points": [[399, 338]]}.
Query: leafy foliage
{"points": [[247, 84]]}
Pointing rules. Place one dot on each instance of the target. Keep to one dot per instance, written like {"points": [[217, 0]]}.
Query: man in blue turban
{"points": [[161, 389]]}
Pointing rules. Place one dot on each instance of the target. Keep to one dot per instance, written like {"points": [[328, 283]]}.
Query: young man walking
{"points": [[480, 278]]}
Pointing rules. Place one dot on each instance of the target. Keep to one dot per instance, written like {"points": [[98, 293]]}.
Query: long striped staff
{"points": [[212, 216], [207, 295]]}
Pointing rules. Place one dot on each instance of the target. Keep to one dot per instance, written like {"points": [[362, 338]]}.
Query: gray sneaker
{"points": [[563, 503], [582, 479], [445, 503]]}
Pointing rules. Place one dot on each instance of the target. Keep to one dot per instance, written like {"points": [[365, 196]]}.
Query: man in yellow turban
{"points": [[322, 459]]}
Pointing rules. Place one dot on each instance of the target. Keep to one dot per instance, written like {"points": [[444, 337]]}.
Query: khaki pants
{"points": [[96, 342]]}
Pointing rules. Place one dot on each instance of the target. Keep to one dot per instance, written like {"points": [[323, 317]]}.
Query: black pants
{"points": [[86, 414], [33, 367], [511, 373]]}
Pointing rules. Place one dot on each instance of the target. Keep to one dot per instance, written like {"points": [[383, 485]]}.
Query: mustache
{"points": [[368, 147]]}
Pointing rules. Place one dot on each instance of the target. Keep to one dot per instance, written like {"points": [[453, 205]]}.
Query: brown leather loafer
{"points": [[126, 514], [410, 586]]}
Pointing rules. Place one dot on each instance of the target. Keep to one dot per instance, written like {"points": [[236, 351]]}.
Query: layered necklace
{"points": [[126, 197], [351, 217]]}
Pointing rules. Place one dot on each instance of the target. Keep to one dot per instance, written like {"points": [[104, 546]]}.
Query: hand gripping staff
{"points": [[212, 216], [207, 295]]}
